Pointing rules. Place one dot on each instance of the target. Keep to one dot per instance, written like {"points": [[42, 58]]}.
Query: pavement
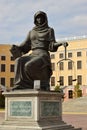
{"points": [[76, 120], [75, 112], [2, 116], [78, 106]]}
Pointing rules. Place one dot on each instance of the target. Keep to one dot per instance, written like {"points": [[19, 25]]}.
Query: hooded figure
{"points": [[37, 65]]}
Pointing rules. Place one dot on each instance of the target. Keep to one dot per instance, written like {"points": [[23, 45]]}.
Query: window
{"points": [[52, 56], [69, 55], [61, 66], [11, 68], [61, 55], [79, 64], [79, 79], [79, 54], [3, 81], [70, 94], [2, 67], [70, 65], [53, 66], [52, 81], [3, 58], [61, 80], [69, 80], [11, 82]]}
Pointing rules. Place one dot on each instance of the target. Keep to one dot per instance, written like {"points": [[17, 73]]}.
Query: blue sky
{"points": [[67, 17]]}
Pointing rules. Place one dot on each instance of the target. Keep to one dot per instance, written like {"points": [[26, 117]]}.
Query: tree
{"points": [[77, 91], [57, 88]]}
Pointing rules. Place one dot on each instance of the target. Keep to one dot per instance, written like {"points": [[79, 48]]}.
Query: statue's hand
{"points": [[15, 51], [65, 44]]}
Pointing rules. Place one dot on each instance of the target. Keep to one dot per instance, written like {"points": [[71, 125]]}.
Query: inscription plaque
{"points": [[49, 108], [20, 108]]}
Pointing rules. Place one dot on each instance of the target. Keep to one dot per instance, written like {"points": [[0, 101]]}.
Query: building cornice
{"points": [[74, 38]]}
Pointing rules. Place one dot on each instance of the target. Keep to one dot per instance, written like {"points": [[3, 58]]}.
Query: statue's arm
{"points": [[25, 46], [58, 44], [53, 44], [52, 40]]}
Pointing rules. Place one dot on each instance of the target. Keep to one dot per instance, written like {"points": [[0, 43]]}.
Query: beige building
{"points": [[6, 66], [70, 68], [67, 71]]}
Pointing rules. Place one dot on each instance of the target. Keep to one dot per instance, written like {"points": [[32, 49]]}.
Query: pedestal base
{"points": [[33, 110], [37, 127]]}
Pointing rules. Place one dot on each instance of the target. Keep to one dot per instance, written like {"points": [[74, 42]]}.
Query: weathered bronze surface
{"points": [[37, 65]]}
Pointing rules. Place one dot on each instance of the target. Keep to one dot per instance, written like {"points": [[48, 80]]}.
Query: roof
{"points": [[73, 38]]}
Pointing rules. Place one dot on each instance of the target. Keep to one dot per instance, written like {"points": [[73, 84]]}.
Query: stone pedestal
{"points": [[33, 110]]}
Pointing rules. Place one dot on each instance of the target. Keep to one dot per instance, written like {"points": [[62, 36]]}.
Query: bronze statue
{"points": [[37, 65]]}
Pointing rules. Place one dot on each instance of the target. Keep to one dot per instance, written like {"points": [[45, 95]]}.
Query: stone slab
{"points": [[33, 105], [33, 110], [58, 127]]}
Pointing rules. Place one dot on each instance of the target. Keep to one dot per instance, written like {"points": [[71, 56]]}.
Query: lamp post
{"points": [[65, 58]]}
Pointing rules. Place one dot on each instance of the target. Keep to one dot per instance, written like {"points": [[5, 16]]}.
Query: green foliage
{"points": [[76, 87], [2, 101], [77, 91], [57, 88]]}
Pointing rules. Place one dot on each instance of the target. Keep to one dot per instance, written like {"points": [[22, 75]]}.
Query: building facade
{"points": [[6, 66], [69, 67]]}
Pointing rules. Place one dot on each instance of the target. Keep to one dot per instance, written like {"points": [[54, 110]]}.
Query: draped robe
{"points": [[37, 65]]}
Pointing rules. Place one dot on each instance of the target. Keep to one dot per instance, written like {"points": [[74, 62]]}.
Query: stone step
{"points": [[75, 105], [60, 127], [45, 125]]}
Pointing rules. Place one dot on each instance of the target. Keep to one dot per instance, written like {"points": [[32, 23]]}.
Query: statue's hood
{"points": [[40, 13]]}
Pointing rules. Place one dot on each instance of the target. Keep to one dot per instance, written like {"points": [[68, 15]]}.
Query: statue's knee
{"points": [[27, 66]]}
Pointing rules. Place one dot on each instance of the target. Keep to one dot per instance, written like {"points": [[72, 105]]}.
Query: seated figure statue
{"points": [[37, 65]]}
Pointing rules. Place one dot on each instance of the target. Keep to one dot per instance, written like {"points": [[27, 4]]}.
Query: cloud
{"points": [[65, 16]]}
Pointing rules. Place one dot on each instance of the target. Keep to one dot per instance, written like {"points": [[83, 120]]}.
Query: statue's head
{"points": [[40, 18]]}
